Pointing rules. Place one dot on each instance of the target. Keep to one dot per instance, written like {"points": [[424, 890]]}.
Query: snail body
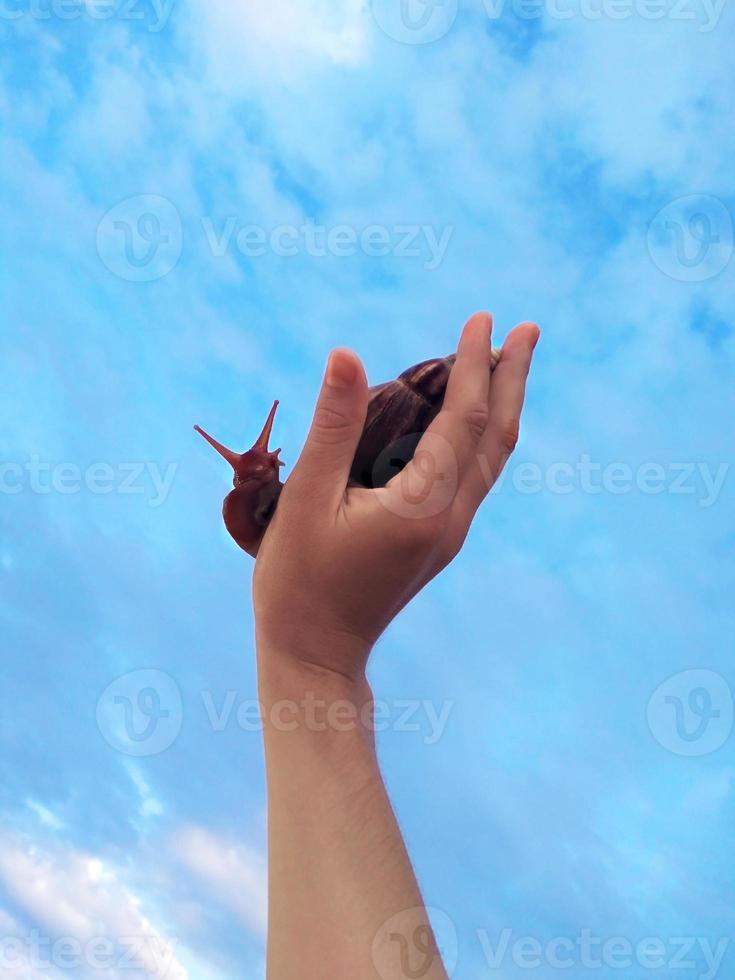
{"points": [[399, 412], [249, 506]]}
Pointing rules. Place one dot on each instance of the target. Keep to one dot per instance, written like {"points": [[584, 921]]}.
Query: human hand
{"points": [[338, 562]]}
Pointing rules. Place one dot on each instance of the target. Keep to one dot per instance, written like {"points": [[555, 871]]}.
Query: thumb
{"points": [[339, 417]]}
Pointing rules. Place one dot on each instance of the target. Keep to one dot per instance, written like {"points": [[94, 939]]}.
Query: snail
{"points": [[398, 413]]}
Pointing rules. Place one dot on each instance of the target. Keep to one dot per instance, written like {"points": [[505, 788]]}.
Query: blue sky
{"points": [[196, 202]]}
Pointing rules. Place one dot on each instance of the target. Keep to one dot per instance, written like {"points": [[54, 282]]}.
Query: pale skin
{"points": [[337, 563]]}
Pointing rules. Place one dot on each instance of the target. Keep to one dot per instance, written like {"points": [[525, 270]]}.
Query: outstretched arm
{"points": [[334, 567]]}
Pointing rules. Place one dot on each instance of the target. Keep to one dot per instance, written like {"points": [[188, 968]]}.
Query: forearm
{"points": [[338, 867]]}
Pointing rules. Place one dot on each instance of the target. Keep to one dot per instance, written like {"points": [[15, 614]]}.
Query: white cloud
{"points": [[101, 129], [281, 39], [232, 872], [67, 894], [150, 805], [639, 96], [711, 792], [16, 960], [46, 816]]}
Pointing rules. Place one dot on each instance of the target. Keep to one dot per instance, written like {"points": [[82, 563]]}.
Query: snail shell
{"points": [[399, 412]]}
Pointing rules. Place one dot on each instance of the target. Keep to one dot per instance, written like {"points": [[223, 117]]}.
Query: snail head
{"points": [[259, 465]]}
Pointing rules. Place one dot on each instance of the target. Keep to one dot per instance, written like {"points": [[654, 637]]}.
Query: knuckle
{"points": [[429, 531], [418, 536], [451, 548], [476, 418], [509, 433], [424, 532], [330, 425]]}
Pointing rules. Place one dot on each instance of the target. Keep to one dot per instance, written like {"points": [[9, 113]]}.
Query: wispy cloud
{"points": [[231, 872], [77, 897]]}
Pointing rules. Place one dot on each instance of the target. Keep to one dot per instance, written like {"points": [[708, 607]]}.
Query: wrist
{"points": [[310, 687], [290, 653]]}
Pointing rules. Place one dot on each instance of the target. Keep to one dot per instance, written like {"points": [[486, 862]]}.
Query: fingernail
{"points": [[341, 369]]}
